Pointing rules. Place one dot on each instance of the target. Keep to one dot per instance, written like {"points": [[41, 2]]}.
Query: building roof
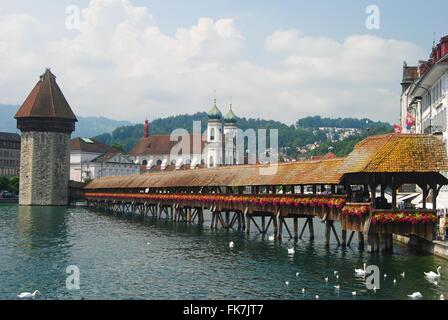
{"points": [[46, 101], [293, 173], [161, 144], [390, 153], [111, 155], [214, 113], [9, 136], [91, 145], [399, 153]]}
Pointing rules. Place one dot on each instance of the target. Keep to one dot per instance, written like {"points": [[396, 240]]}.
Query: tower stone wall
{"points": [[44, 169], [46, 121]]}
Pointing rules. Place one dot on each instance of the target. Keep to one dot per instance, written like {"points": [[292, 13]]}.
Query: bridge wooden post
{"points": [[243, 221], [344, 237], [247, 223], [327, 232], [311, 227], [388, 243], [360, 240], [212, 224], [275, 225], [238, 220], [217, 216], [280, 227], [227, 222], [263, 224], [296, 228], [373, 242]]}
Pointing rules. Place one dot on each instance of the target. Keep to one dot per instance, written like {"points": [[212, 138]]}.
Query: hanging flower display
{"points": [[356, 210], [410, 120], [261, 200], [404, 217]]}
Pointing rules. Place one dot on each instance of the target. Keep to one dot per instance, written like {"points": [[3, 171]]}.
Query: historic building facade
{"points": [[9, 154], [91, 159], [46, 121], [424, 98], [424, 101], [215, 147]]}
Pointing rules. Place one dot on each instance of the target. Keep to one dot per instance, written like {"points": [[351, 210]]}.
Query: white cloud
{"points": [[121, 65]]}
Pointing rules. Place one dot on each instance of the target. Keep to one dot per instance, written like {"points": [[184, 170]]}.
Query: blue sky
{"points": [[407, 31]]}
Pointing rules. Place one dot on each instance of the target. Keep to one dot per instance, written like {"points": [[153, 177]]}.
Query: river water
{"points": [[124, 258]]}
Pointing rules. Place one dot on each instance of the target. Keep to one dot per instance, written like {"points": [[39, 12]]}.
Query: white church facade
{"points": [[214, 147]]}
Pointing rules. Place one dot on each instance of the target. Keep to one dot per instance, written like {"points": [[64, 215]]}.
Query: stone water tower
{"points": [[46, 121]]}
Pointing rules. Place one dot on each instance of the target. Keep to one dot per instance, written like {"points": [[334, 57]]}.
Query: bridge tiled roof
{"points": [[391, 153], [398, 153]]}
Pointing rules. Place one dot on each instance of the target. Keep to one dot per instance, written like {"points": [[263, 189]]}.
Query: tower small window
{"points": [[212, 134]]}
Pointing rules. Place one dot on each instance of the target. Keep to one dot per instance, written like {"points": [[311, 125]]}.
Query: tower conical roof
{"points": [[230, 117], [214, 112], [46, 100]]}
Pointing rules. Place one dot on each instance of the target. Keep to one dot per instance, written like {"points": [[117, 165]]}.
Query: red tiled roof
{"points": [[46, 101], [160, 144]]}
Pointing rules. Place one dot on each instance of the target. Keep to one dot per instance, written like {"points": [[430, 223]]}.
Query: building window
{"points": [[212, 134], [211, 162]]}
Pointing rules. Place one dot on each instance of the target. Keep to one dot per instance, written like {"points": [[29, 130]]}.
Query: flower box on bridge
{"points": [[354, 216], [421, 223]]}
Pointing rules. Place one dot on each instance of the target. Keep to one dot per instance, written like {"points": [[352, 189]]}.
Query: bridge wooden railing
{"points": [[288, 203]]}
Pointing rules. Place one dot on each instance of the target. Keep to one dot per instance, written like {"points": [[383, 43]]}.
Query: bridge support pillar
{"points": [[327, 232], [280, 227], [296, 228], [388, 243], [373, 243], [247, 223], [227, 223], [275, 225], [310, 227], [263, 224], [360, 240], [344, 238]]}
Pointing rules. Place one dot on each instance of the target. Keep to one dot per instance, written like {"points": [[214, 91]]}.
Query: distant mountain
{"points": [[290, 138], [85, 127]]}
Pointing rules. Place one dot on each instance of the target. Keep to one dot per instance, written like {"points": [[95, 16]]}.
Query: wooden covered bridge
{"points": [[349, 190]]}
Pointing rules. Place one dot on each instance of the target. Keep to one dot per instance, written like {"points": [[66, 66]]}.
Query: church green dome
{"points": [[214, 113], [230, 117]]}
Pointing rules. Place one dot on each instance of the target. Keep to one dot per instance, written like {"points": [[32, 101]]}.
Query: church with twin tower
{"points": [[46, 122]]}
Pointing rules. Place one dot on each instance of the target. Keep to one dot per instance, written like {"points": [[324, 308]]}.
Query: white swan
{"points": [[303, 290], [337, 287], [402, 274], [361, 272], [317, 297], [395, 281], [326, 279], [231, 244], [335, 273], [415, 295], [287, 283], [291, 251], [432, 274], [442, 297], [271, 238], [27, 295], [353, 293], [297, 274]]}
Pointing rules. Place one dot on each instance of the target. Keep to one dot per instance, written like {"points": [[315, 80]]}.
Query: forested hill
{"points": [[319, 122], [293, 140]]}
